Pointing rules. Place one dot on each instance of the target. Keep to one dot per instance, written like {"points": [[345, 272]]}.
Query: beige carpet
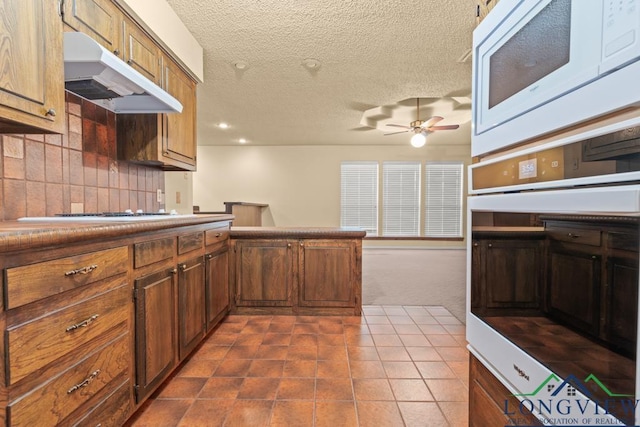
{"points": [[415, 277]]}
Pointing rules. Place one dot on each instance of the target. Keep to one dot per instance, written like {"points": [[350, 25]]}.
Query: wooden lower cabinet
{"points": [[191, 305], [574, 294], [327, 269], [155, 330], [264, 272], [506, 273], [173, 298], [593, 277], [620, 317], [217, 285], [279, 273], [491, 403]]}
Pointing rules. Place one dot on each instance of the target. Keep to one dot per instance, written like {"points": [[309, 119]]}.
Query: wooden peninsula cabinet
{"points": [[264, 272], [296, 271], [506, 270], [593, 271]]}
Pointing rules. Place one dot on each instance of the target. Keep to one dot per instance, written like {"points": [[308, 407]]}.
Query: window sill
{"points": [[441, 239]]}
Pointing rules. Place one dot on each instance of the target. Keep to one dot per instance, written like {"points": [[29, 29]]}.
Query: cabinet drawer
{"points": [[112, 411], [624, 241], [51, 403], [30, 283], [216, 235], [190, 242], [580, 236], [146, 253], [32, 345]]}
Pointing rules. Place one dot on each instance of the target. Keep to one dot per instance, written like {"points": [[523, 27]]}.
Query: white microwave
{"points": [[543, 65]]}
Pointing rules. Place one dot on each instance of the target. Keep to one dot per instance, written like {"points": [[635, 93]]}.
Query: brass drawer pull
{"points": [[84, 383], [83, 270], [218, 234], [573, 236], [82, 324]]}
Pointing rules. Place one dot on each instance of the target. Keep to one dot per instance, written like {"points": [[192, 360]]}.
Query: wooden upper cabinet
{"points": [[179, 130], [100, 19], [32, 76], [141, 52]]}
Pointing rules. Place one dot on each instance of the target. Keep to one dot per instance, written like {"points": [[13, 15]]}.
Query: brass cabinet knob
{"points": [[50, 112], [116, 52]]}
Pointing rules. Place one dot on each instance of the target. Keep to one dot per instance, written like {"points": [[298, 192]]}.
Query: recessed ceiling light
{"points": [[311, 63], [240, 65], [242, 141], [223, 125]]}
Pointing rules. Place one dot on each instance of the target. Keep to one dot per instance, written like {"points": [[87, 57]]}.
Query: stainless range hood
{"points": [[96, 74]]}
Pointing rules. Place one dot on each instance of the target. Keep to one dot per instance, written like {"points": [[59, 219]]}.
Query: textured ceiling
{"points": [[372, 53]]}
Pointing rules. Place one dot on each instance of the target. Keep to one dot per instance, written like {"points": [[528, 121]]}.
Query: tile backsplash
{"points": [[46, 174]]}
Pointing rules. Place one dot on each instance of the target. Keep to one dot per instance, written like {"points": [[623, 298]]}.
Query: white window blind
{"points": [[400, 198], [443, 200], [359, 196]]}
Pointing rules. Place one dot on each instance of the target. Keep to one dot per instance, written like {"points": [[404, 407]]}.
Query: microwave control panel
{"points": [[619, 33]]}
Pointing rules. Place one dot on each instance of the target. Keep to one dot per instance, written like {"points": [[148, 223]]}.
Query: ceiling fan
{"points": [[421, 128]]}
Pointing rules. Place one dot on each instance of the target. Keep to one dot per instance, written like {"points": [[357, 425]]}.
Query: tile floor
{"points": [[394, 366]]}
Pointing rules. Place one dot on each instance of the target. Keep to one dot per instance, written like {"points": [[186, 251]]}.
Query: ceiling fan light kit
{"points": [[421, 128], [418, 140]]}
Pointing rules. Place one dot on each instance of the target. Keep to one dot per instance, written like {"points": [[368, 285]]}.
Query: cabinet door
{"points": [[327, 273], [264, 272], [217, 286], [490, 403], [141, 52], [179, 129], [155, 330], [621, 308], [191, 305], [512, 273], [100, 19], [32, 78], [574, 289]]}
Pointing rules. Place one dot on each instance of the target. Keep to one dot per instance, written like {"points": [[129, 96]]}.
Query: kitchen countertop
{"points": [[17, 235], [297, 232]]}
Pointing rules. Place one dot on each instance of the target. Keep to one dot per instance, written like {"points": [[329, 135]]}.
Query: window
{"points": [[406, 209], [401, 199], [359, 196], [443, 200]]}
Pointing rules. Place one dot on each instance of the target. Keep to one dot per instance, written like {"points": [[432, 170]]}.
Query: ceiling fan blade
{"points": [[394, 133], [444, 127], [432, 121], [398, 126]]}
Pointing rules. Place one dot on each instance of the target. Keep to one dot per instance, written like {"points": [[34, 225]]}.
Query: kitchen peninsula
{"points": [[289, 270]]}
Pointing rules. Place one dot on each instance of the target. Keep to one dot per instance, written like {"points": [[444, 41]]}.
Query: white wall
{"points": [[301, 184]]}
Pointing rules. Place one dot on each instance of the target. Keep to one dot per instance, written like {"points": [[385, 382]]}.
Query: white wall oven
{"points": [[553, 275], [541, 65]]}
